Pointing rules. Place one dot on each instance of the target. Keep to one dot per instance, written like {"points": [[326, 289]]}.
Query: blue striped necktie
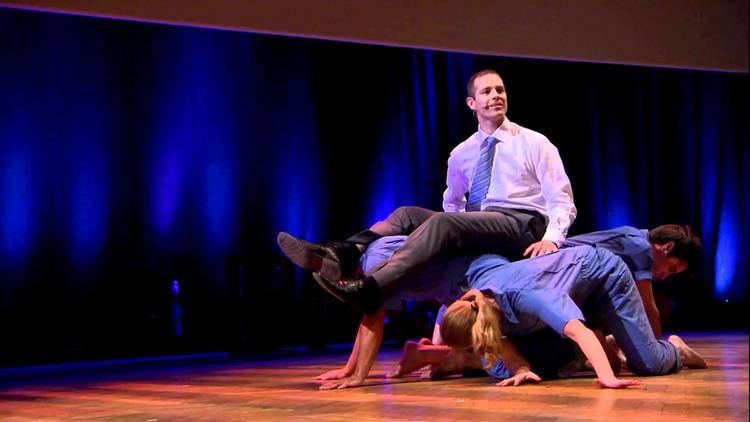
{"points": [[482, 175]]}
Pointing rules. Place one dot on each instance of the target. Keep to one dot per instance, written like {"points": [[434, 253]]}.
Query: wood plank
{"points": [[285, 390]]}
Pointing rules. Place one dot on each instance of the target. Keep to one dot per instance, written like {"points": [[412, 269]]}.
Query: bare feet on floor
{"points": [[690, 358], [412, 359], [455, 363], [612, 351], [617, 358]]}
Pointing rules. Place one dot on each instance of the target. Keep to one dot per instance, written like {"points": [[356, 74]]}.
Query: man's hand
{"points": [[354, 381], [336, 374], [541, 247], [520, 378]]}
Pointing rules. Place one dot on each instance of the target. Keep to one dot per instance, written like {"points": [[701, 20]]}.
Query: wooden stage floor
{"points": [[285, 390]]}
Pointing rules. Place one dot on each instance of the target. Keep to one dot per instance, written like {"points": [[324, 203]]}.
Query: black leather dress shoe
{"points": [[341, 261], [362, 293], [306, 255], [335, 260]]}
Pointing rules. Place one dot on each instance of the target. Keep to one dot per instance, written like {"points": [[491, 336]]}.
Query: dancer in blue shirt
{"points": [[439, 281], [649, 255], [509, 299]]}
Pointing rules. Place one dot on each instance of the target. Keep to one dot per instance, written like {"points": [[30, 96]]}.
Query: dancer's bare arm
{"points": [[517, 365], [351, 364], [646, 291], [370, 337], [589, 344]]}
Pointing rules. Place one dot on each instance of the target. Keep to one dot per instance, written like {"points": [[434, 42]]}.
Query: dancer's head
{"points": [[675, 248], [474, 321], [486, 97]]}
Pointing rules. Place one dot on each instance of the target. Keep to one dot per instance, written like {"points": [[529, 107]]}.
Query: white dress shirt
{"points": [[527, 173]]}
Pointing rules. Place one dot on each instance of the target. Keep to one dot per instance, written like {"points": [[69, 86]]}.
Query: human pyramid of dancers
{"points": [[520, 300]]}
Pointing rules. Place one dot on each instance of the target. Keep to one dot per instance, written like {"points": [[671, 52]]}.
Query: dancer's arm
{"points": [[351, 364], [589, 344], [517, 365], [646, 291], [369, 336]]}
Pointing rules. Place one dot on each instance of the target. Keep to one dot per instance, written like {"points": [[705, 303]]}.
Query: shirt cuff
{"points": [[453, 208], [554, 235], [498, 371]]}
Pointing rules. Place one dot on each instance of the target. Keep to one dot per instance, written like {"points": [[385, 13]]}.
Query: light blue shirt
{"points": [[545, 291], [629, 243], [442, 278]]}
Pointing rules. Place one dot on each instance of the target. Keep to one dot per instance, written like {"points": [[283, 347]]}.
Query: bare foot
{"points": [[612, 344], [427, 371], [610, 349], [455, 363], [412, 358], [437, 372], [690, 358]]}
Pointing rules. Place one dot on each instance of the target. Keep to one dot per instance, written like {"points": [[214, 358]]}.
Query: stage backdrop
{"points": [[145, 171]]}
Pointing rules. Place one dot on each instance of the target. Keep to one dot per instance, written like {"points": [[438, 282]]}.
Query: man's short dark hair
{"points": [[470, 84], [687, 244]]}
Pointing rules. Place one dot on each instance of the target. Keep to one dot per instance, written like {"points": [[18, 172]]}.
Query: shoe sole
{"points": [[298, 251], [331, 269], [324, 285]]}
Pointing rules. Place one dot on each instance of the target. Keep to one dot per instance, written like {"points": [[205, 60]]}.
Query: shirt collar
{"points": [[502, 134]]}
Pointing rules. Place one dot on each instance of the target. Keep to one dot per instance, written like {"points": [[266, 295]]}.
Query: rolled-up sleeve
{"points": [[557, 192]]}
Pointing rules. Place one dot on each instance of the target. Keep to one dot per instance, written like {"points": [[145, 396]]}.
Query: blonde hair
{"points": [[473, 322]]}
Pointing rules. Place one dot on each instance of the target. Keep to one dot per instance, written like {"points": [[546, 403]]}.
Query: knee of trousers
{"points": [[402, 211], [444, 222]]}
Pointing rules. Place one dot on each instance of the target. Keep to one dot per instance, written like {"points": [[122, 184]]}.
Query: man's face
{"points": [[490, 101], [665, 265]]}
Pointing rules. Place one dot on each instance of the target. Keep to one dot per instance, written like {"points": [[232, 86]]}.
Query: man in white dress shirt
{"points": [[520, 203]]}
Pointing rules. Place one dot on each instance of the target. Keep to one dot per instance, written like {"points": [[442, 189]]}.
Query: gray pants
{"points": [[503, 231]]}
